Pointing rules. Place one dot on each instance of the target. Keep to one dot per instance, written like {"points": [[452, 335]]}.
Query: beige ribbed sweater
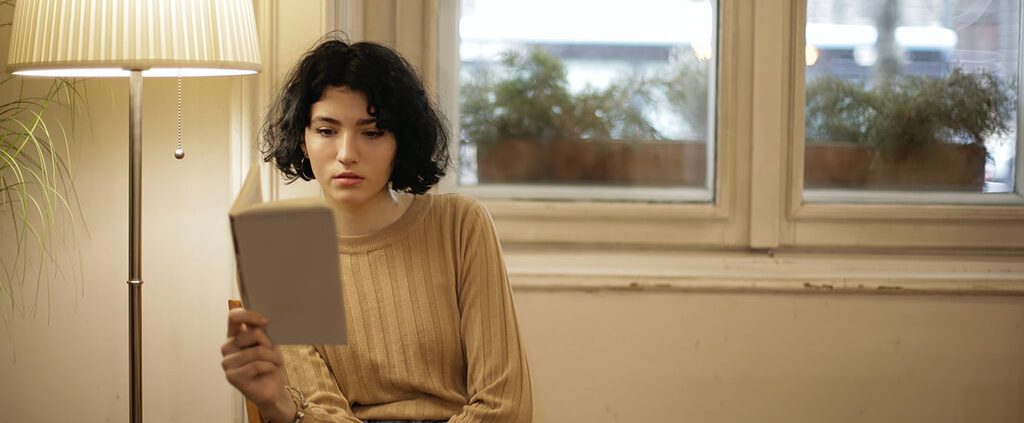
{"points": [[432, 332]]}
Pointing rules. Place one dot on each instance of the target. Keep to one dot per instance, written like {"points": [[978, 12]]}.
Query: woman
{"points": [[431, 325]]}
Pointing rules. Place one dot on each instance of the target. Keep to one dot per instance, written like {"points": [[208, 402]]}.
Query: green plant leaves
{"points": [[528, 97], [912, 113], [37, 197]]}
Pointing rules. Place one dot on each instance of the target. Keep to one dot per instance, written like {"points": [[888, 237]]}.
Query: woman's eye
{"points": [[374, 134], [325, 131]]}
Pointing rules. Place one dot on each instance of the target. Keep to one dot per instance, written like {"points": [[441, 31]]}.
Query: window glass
{"points": [[586, 93], [916, 95]]}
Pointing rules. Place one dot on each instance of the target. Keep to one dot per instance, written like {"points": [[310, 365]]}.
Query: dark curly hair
{"points": [[395, 97]]}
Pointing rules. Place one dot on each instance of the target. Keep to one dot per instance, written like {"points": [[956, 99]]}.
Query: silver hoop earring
{"points": [[306, 169]]}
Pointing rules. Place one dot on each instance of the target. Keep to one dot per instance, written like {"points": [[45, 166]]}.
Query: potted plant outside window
{"points": [[528, 127], [916, 133]]}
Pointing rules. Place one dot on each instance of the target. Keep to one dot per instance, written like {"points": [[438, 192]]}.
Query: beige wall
{"points": [[705, 357], [597, 355]]}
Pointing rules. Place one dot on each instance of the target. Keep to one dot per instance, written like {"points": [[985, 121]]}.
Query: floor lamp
{"points": [[133, 38]]}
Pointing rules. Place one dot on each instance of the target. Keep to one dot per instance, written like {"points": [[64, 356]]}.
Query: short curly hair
{"points": [[395, 97]]}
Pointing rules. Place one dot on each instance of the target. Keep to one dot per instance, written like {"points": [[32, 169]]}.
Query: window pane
{"points": [[617, 95], [912, 95]]}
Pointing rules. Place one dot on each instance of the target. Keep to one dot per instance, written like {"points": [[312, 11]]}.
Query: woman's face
{"points": [[351, 158]]}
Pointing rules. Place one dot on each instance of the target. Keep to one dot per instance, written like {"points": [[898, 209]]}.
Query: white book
{"points": [[287, 257]]}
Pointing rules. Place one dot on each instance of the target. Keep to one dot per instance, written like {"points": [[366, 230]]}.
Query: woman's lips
{"points": [[347, 180]]}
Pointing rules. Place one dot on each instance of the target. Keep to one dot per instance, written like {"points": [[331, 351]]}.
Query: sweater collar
{"points": [[393, 232]]}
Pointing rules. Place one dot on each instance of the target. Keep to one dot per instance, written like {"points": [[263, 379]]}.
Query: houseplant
{"points": [[914, 133], [38, 205]]}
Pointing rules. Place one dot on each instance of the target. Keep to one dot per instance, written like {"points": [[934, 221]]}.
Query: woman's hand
{"points": [[254, 365]]}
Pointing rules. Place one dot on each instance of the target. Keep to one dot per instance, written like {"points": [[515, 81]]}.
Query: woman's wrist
{"points": [[284, 409]]}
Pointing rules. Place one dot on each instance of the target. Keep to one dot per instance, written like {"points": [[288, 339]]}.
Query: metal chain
{"points": [[179, 153]]}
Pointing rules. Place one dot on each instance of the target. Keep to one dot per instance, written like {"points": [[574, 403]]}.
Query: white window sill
{"points": [[558, 269]]}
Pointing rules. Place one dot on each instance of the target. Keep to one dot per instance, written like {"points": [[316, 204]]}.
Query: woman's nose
{"points": [[347, 149]]}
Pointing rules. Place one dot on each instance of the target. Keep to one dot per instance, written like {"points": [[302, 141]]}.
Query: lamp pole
{"points": [[135, 243]]}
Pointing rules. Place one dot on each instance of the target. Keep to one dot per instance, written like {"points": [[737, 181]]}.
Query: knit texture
{"points": [[432, 330]]}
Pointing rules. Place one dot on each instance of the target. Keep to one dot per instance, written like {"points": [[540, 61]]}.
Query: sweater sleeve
{"points": [[308, 372], [497, 374]]}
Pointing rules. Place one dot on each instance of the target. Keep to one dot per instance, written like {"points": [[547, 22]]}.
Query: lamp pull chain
{"points": [[179, 153]]}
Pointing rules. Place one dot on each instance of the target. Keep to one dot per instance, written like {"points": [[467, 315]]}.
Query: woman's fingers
{"points": [[250, 337], [249, 371], [249, 355], [241, 316], [246, 338], [245, 329], [228, 347]]}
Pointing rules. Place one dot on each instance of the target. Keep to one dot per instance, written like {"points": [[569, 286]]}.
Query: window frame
{"points": [[921, 220], [646, 220]]}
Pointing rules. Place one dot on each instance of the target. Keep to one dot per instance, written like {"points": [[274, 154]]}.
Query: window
{"points": [[616, 105]]}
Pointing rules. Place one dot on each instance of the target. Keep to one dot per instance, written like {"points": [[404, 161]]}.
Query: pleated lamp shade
{"points": [[84, 38]]}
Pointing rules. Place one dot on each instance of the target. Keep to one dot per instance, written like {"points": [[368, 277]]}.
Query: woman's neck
{"points": [[372, 216]]}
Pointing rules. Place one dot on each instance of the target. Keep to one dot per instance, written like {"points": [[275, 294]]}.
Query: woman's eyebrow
{"points": [[336, 122], [322, 118]]}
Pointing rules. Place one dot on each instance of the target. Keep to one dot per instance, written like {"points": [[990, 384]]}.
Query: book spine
{"points": [[238, 262]]}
